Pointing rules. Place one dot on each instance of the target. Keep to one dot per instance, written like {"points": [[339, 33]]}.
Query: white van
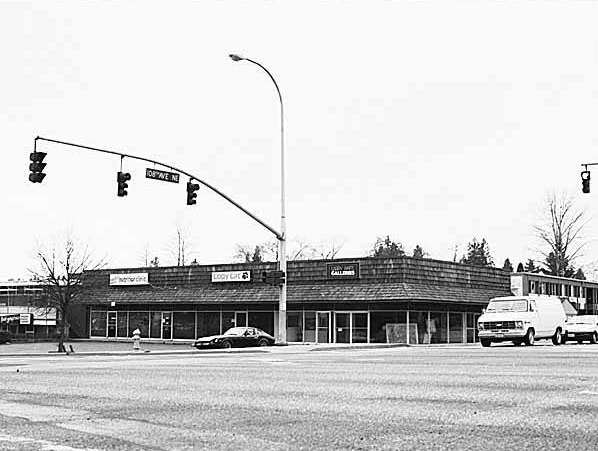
{"points": [[522, 319]]}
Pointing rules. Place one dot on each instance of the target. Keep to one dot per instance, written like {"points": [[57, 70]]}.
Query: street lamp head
{"points": [[236, 57]]}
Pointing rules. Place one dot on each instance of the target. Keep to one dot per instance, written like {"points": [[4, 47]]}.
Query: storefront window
{"points": [[122, 320], [418, 328], [310, 327], [438, 327], [455, 327], [294, 326], [208, 323], [139, 320], [156, 325], [98, 324], [388, 327], [262, 320], [183, 324]]}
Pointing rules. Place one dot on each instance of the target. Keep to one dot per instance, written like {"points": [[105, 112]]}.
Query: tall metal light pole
{"points": [[282, 252]]}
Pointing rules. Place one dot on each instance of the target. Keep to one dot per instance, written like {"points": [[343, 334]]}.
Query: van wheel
{"points": [[485, 342], [529, 339], [594, 338], [517, 342], [557, 338]]}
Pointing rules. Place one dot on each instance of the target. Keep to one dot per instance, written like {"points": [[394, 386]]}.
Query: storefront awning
{"points": [[300, 293]]}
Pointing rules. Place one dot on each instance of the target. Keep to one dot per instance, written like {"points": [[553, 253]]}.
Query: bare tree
{"points": [[60, 273], [296, 250], [560, 231], [179, 246]]}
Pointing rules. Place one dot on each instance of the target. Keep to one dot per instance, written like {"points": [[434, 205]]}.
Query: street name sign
{"points": [[162, 175]]}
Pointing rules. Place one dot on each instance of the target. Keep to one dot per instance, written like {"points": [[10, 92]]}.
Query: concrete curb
{"points": [[136, 353]]}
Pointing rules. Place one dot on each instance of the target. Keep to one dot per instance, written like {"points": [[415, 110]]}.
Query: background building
{"points": [[23, 311]]}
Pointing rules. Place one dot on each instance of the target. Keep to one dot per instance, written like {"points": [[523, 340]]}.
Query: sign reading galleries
{"points": [[139, 278], [342, 270]]}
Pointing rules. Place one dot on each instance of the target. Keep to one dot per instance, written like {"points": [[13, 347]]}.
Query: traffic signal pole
{"points": [[278, 235]]}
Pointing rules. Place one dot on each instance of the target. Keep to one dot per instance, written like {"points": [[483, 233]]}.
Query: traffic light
{"points": [[191, 194], [122, 178], [585, 181], [273, 277], [36, 166]]}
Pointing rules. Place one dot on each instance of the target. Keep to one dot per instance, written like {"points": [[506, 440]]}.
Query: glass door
{"points": [[241, 319], [342, 327], [166, 325], [111, 324], [323, 327], [359, 327]]}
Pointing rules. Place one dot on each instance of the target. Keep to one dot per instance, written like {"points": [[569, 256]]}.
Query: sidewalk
{"points": [[94, 347]]}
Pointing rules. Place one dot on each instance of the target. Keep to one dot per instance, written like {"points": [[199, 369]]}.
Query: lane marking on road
{"points": [[38, 412], [587, 392], [43, 445]]}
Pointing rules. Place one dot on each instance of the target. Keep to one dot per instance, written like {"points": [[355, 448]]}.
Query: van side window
{"points": [[532, 306]]}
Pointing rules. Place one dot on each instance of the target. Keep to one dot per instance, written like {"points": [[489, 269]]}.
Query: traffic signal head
{"points": [[585, 181], [122, 178], [191, 194], [36, 166]]}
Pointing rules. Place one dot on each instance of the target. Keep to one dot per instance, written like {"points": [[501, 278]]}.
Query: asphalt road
{"points": [[501, 398]]}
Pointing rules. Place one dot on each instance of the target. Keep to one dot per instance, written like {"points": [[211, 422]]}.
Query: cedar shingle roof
{"points": [[296, 293]]}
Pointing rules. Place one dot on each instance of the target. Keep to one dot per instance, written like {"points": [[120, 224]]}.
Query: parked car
{"points": [[4, 337], [237, 337], [522, 319], [582, 327]]}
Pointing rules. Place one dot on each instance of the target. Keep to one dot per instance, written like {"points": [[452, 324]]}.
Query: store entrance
{"points": [[342, 327], [166, 325], [111, 324], [240, 319], [351, 327], [323, 327]]}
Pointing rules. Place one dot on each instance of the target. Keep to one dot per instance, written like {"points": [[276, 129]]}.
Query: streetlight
{"points": [[282, 254]]}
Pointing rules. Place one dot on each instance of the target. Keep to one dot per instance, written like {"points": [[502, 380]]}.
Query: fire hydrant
{"points": [[136, 339]]}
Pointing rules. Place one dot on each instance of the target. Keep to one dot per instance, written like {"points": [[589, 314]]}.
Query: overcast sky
{"points": [[432, 122]]}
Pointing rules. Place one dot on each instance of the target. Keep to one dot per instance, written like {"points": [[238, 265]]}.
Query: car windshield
{"points": [[519, 305], [235, 331]]}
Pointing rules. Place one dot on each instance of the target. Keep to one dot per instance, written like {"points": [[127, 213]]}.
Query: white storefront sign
{"points": [[25, 318], [231, 276], [129, 279]]}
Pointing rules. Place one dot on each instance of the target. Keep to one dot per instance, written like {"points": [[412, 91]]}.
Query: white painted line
{"points": [[43, 445]]}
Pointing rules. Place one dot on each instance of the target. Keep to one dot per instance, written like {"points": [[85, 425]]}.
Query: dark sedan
{"points": [[4, 337], [237, 337]]}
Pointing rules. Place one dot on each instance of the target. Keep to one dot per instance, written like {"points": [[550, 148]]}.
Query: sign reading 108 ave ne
{"points": [[162, 175]]}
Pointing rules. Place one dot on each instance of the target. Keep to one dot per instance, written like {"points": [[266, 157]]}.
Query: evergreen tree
{"points": [[478, 254], [385, 248], [530, 266], [418, 252], [520, 267], [507, 266], [579, 275]]}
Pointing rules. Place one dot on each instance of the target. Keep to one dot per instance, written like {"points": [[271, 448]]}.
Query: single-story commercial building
{"points": [[362, 300]]}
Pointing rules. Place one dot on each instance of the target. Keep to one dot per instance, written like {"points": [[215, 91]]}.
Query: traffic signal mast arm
{"points": [[278, 235]]}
